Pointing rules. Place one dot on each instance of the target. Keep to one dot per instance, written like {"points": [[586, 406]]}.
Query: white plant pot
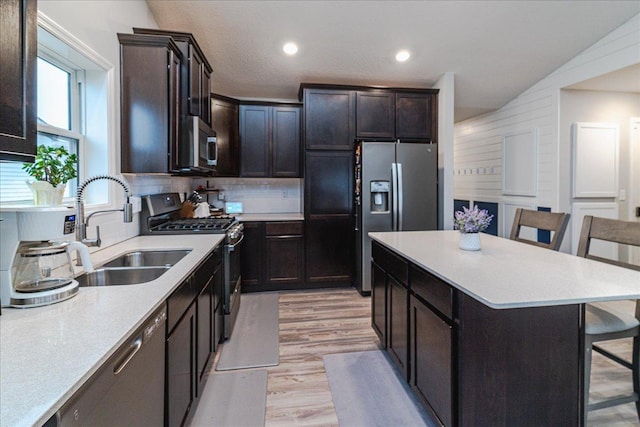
{"points": [[45, 194], [469, 241]]}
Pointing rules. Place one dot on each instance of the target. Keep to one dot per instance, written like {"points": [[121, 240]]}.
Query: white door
{"points": [[634, 186]]}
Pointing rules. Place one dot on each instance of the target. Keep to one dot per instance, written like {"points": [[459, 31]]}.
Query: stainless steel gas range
{"points": [[161, 216]]}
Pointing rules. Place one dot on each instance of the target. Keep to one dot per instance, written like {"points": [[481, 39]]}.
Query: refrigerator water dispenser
{"points": [[379, 196]]}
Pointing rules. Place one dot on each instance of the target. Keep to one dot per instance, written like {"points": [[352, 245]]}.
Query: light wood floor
{"points": [[315, 323]]}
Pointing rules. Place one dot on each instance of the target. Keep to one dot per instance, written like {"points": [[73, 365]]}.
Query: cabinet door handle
{"points": [[133, 349]]}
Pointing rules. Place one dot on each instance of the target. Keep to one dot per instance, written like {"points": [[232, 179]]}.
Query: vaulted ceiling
{"points": [[496, 49]]}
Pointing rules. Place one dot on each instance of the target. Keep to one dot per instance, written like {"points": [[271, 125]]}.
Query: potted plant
{"points": [[470, 222], [52, 168]]}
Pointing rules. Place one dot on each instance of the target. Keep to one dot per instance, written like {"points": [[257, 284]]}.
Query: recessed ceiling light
{"points": [[402, 56], [290, 48]]}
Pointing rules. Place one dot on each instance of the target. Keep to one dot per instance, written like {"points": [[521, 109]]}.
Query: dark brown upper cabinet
{"points": [[329, 119], [417, 116], [224, 121], [375, 115], [396, 115], [270, 141], [150, 103], [18, 96], [196, 73], [199, 94]]}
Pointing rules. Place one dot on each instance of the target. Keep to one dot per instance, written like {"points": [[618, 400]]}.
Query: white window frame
{"points": [[76, 100], [108, 68]]}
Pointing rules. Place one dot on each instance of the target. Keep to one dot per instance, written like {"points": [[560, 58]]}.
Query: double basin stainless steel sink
{"points": [[133, 267]]}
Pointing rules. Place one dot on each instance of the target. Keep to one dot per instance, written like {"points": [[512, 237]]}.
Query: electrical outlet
{"points": [[221, 195]]}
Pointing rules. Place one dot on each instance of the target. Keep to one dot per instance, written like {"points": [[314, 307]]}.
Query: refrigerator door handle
{"points": [[400, 201], [394, 197]]}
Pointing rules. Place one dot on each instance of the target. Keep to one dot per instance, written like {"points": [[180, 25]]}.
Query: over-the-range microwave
{"points": [[201, 154]]}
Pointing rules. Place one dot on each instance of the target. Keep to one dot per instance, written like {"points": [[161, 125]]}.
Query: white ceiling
{"points": [[496, 49]]}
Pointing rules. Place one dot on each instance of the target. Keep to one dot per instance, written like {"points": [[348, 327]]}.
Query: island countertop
{"points": [[47, 353], [508, 274]]}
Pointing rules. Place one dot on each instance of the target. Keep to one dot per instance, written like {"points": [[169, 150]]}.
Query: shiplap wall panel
{"points": [[475, 139]]}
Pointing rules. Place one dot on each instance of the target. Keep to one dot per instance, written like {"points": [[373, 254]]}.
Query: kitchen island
{"points": [[492, 337], [47, 353]]}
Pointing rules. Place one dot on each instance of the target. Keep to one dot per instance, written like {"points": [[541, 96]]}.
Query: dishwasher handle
{"points": [[131, 352], [154, 325]]}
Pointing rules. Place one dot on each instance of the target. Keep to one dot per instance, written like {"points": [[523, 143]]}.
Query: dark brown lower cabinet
{"points": [[180, 369], [217, 299], [329, 250], [284, 244], [431, 360], [273, 256], [378, 303], [470, 364], [398, 338], [519, 366], [252, 256], [204, 345], [194, 311]]}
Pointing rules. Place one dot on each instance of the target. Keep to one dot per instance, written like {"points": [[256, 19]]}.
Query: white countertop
{"points": [[47, 353], [510, 274], [270, 217]]}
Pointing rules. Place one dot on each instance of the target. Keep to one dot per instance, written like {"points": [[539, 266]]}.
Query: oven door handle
{"points": [[233, 247]]}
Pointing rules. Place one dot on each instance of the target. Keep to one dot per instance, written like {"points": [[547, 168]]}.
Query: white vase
{"points": [[45, 194], [469, 241]]}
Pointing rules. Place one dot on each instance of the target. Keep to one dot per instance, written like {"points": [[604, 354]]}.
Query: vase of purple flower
{"points": [[470, 222]]}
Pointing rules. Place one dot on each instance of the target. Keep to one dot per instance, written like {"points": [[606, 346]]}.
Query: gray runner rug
{"points": [[233, 399], [368, 391], [254, 340]]}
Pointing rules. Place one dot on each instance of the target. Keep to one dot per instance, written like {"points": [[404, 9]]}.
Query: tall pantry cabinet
{"points": [[329, 132]]}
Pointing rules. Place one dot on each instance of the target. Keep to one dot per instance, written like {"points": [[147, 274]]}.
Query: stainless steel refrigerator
{"points": [[396, 189]]}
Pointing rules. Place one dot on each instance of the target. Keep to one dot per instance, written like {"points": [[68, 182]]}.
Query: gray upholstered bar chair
{"points": [[542, 220], [604, 322]]}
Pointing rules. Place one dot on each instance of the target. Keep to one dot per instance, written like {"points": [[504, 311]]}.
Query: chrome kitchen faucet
{"points": [[82, 224]]}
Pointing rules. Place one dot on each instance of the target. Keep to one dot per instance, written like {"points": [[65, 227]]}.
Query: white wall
{"points": [[95, 24], [445, 149], [478, 141]]}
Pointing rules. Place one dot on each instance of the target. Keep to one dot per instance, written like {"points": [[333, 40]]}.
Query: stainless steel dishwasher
{"points": [[129, 388]]}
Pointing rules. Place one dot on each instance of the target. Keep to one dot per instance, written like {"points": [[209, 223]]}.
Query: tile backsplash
{"points": [[153, 184], [258, 195]]}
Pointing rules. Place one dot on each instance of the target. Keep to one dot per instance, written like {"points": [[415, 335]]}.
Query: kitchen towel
{"points": [[368, 391], [254, 340]]}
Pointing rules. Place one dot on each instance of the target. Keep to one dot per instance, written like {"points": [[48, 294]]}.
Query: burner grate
{"points": [[197, 224]]}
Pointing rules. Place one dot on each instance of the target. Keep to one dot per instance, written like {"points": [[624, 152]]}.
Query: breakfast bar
{"points": [[489, 337]]}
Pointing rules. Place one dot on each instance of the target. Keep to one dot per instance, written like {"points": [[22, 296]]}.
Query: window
{"points": [[73, 83]]}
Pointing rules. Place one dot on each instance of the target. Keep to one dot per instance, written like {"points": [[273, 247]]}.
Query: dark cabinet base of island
{"points": [[472, 365]]}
